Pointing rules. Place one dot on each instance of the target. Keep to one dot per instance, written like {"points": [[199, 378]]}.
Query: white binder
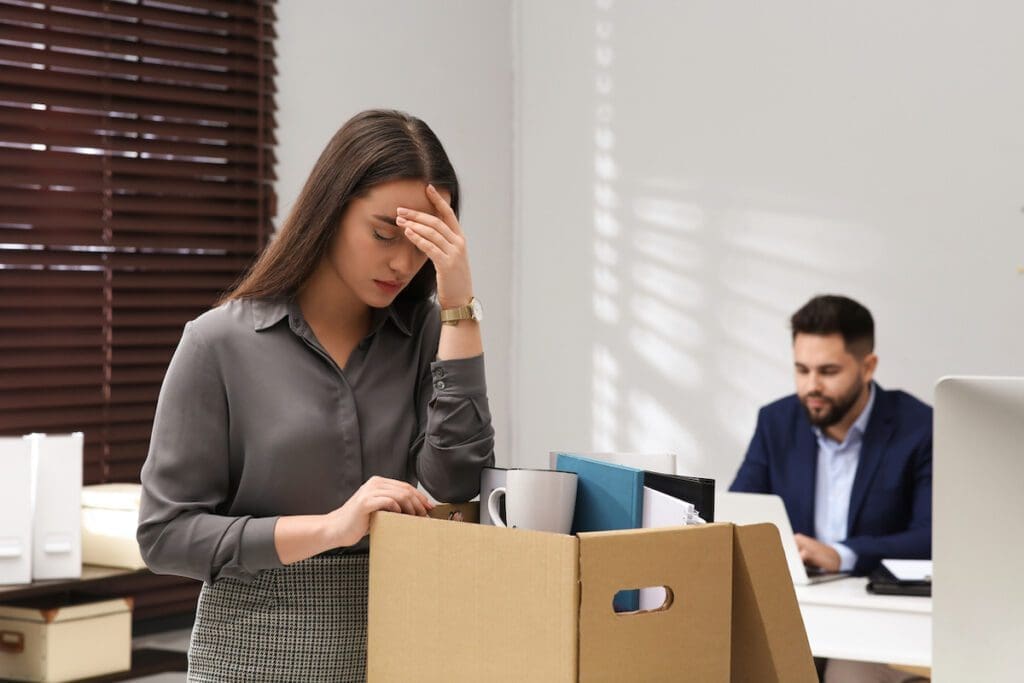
{"points": [[15, 510], [57, 506]]}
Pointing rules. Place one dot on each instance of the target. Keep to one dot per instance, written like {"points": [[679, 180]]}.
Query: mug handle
{"points": [[494, 508]]}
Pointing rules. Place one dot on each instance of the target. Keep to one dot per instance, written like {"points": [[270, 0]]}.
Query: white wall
{"points": [[451, 65], [691, 173]]}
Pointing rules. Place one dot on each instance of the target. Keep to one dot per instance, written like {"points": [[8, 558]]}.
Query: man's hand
{"points": [[817, 554]]}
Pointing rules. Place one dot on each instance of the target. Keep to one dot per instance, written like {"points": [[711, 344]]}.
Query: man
{"points": [[851, 460]]}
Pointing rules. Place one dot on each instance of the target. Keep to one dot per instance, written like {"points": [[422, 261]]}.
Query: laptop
{"points": [[755, 508]]}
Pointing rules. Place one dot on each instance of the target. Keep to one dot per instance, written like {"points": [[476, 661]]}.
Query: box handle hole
{"points": [[12, 642], [651, 599]]}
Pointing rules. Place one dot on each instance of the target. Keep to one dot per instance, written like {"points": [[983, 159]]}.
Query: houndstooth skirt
{"points": [[304, 622]]}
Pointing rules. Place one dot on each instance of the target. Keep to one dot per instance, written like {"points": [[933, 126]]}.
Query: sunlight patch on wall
{"points": [[667, 321], [803, 240], [607, 232], [606, 407], [669, 360], [745, 371], [668, 284], [653, 427], [667, 250], [669, 214]]}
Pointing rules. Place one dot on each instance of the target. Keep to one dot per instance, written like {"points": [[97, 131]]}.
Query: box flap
{"points": [[695, 563], [456, 512], [769, 642], [455, 601]]}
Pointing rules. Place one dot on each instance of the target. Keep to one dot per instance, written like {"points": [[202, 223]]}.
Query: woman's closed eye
{"points": [[383, 236]]}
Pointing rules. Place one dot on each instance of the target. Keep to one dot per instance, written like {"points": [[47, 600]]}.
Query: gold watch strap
{"points": [[451, 316]]}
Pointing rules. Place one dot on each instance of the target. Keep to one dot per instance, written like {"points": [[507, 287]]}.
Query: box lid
{"points": [[112, 496], [50, 611], [769, 642]]}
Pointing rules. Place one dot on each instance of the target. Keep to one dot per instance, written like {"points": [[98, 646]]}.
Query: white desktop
{"points": [[843, 620], [976, 625], [976, 542]]}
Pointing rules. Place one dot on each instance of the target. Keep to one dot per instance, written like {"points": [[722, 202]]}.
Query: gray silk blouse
{"points": [[255, 421]]}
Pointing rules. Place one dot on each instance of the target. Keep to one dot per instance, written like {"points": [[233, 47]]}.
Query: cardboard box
{"points": [[44, 643], [110, 518], [455, 601]]}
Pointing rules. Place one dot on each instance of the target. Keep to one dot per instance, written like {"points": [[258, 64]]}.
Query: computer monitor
{"points": [[977, 548]]}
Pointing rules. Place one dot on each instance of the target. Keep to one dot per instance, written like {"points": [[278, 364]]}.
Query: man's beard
{"points": [[840, 407]]}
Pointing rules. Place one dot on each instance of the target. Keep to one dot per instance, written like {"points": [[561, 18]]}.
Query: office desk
{"points": [[844, 621]]}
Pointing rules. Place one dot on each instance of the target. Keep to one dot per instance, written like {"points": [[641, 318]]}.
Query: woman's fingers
{"points": [[429, 220], [409, 504], [419, 509], [411, 500], [384, 503], [440, 237], [444, 209], [427, 239]]}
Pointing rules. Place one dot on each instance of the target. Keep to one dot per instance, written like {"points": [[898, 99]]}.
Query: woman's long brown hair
{"points": [[372, 148]]}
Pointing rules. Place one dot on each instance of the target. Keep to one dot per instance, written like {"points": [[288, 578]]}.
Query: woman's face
{"points": [[370, 254]]}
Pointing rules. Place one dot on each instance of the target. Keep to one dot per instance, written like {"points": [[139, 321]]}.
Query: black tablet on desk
{"points": [[884, 582]]}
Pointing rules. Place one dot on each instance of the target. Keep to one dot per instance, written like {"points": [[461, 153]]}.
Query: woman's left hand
{"points": [[440, 238]]}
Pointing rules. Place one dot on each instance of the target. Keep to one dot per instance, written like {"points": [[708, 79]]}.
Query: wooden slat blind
{"points": [[136, 161]]}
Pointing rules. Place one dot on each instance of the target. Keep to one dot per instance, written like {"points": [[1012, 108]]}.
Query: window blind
{"points": [[136, 162]]}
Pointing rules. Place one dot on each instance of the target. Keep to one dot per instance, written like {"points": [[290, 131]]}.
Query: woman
{"points": [[322, 389]]}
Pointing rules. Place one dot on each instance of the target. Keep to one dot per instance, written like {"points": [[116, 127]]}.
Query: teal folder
{"points": [[608, 497]]}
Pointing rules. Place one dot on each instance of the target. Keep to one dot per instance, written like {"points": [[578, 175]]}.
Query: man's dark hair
{"points": [[832, 314]]}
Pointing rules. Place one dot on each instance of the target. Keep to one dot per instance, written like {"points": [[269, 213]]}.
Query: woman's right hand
{"points": [[348, 524]]}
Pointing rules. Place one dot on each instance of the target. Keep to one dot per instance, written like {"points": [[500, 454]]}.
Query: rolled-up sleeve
{"points": [[458, 439], [186, 480]]}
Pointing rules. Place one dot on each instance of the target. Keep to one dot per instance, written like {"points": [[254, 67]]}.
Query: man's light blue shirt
{"points": [[837, 467]]}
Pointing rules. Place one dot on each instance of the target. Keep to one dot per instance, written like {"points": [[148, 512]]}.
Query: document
{"points": [[910, 570], [696, 490], [661, 510]]}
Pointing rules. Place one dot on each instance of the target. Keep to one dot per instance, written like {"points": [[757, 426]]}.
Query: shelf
{"points": [[108, 582], [146, 663], [91, 575], [155, 597]]}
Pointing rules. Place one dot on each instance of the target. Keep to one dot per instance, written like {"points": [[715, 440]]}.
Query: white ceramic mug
{"points": [[543, 500], [490, 479]]}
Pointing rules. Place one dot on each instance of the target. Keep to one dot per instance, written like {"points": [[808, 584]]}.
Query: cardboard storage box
{"points": [[43, 643], [457, 601], [110, 517]]}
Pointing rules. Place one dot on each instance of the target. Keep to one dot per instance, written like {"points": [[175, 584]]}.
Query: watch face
{"points": [[478, 310]]}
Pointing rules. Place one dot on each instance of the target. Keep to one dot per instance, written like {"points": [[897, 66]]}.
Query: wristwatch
{"points": [[471, 311]]}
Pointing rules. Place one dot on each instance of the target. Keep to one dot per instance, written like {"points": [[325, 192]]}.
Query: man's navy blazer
{"points": [[891, 501]]}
